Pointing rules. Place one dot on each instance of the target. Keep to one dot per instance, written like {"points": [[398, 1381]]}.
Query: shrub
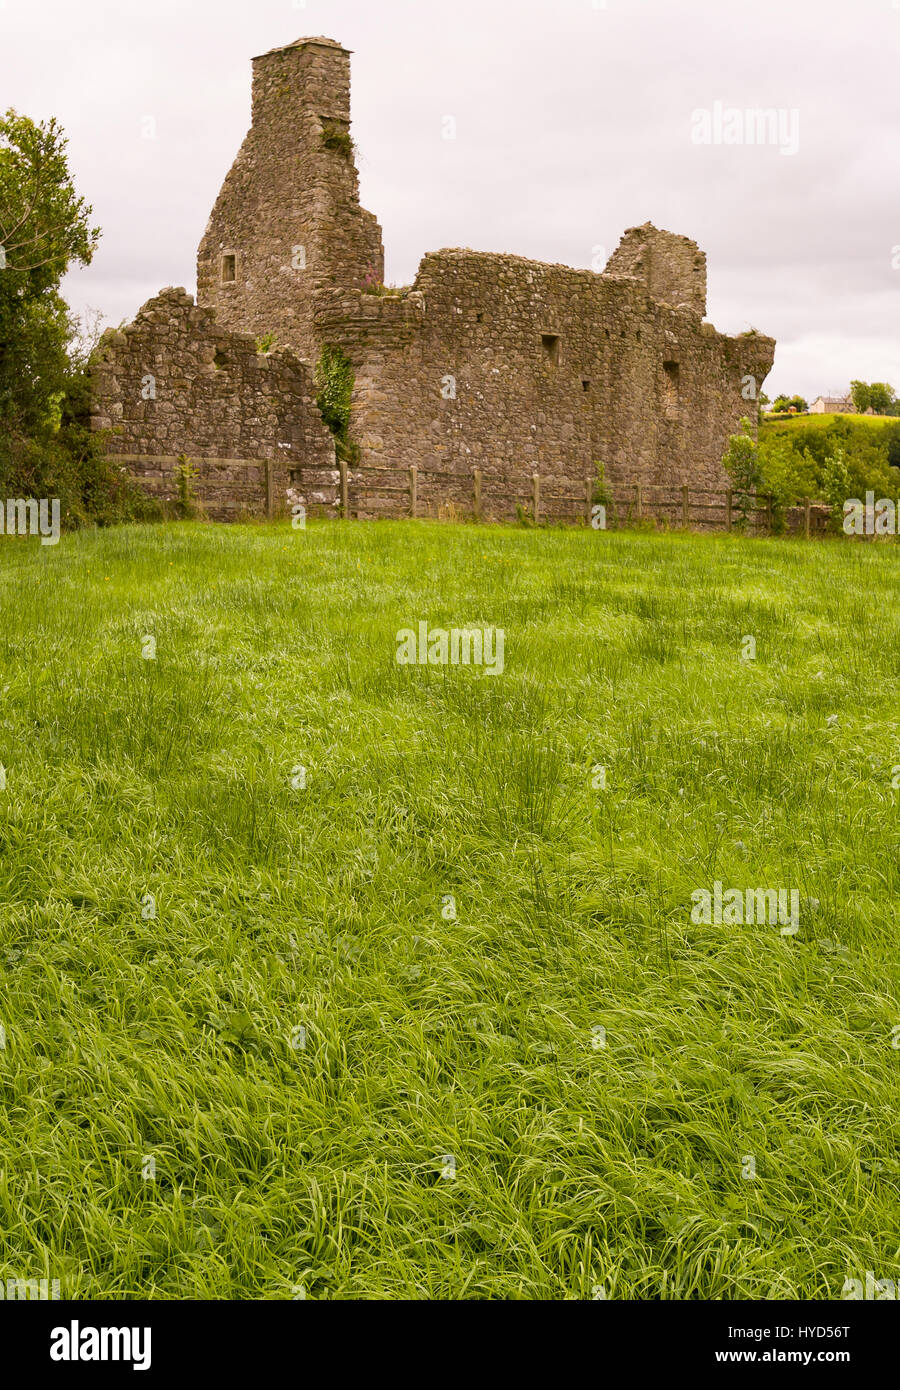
{"points": [[335, 137], [787, 474], [71, 463], [741, 463], [837, 487], [891, 437], [185, 475], [600, 493]]}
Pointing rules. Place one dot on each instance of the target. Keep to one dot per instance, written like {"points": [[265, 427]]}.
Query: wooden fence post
{"points": [[270, 490], [638, 501], [345, 491], [536, 479], [413, 489], [806, 510], [477, 477], [685, 516], [728, 501], [589, 501]]}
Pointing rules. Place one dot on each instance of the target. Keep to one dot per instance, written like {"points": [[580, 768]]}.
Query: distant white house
{"points": [[831, 405]]}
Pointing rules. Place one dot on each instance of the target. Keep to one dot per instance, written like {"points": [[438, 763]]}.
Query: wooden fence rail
{"points": [[623, 503]]}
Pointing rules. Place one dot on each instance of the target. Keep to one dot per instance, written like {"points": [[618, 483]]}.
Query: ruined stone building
{"points": [[488, 370]]}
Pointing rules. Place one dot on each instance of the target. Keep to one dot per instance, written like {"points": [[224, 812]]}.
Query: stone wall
{"points": [[514, 367], [288, 213], [175, 383]]}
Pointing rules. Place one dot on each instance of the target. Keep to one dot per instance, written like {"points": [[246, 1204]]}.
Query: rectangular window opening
{"points": [[228, 269], [550, 343]]}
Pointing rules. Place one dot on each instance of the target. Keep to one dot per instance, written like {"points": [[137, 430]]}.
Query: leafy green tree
{"points": [[861, 393], [46, 446], [879, 396], [784, 403], [882, 398], [44, 228]]}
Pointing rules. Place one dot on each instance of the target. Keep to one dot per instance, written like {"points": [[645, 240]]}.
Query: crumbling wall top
{"points": [[672, 267], [303, 43]]}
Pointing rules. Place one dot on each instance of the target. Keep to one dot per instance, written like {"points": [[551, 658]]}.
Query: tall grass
{"points": [[599, 1067]]}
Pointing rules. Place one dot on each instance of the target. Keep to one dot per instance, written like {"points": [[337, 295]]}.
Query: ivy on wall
{"points": [[335, 380]]}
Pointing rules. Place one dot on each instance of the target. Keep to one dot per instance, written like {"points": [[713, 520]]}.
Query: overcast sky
{"points": [[574, 120]]}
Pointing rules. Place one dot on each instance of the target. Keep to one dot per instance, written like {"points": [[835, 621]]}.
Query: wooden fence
{"points": [[625, 504], [229, 488]]}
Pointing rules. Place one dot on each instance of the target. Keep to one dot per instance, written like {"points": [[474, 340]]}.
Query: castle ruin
{"points": [[488, 366]]}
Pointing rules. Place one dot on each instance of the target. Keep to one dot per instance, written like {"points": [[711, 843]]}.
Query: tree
{"points": [[861, 393], [785, 403], [46, 446], [44, 228], [878, 396], [882, 398]]}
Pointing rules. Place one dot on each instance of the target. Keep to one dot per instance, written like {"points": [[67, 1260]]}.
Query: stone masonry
{"points": [[487, 362], [288, 214], [176, 383]]}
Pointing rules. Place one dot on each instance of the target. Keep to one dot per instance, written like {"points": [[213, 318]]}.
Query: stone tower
{"points": [[486, 373], [673, 268], [287, 221]]}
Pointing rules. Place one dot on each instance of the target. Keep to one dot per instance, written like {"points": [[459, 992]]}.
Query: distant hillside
{"points": [[820, 434], [873, 421]]}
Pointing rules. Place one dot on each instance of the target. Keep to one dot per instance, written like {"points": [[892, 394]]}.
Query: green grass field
{"points": [[262, 991], [873, 422], [873, 426]]}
